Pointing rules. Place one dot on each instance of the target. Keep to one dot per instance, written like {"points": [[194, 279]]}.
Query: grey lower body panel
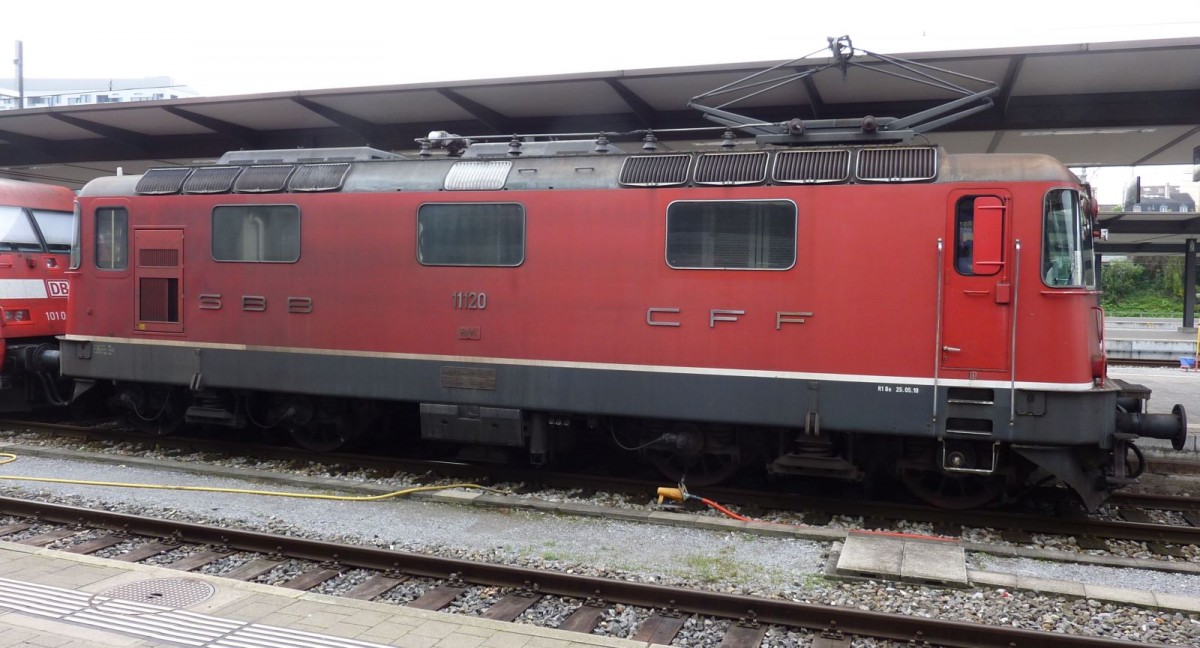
{"points": [[1082, 418]]}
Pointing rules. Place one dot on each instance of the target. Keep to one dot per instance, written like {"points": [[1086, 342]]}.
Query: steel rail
{"points": [[815, 617], [1155, 501], [984, 518]]}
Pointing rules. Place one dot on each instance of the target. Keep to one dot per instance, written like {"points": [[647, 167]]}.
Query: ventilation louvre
{"points": [[655, 170], [732, 168], [162, 181], [319, 177], [477, 176], [156, 258], [812, 167], [158, 299], [211, 180], [897, 164], [263, 179]]}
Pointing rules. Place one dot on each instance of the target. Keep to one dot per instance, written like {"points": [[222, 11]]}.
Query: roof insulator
{"points": [[426, 149], [602, 144], [514, 146], [650, 142], [727, 141]]}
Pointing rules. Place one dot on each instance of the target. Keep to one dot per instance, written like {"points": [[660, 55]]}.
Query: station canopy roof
{"points": [[1093, 104]]}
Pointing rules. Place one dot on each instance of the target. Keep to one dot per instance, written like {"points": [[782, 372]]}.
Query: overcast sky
{"points": [[221, 47]]}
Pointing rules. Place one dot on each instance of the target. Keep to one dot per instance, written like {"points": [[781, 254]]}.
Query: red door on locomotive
{"points": [[977, 300]]}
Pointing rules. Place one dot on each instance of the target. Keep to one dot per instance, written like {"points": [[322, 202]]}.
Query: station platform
{"points": [[1136, 338], [52, 599]]}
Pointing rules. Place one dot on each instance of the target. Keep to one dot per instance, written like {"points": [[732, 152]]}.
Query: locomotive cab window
{"points": [[112, 238], [731, 235], [474, 234], [16, 231], [1068, 259], [57, 228], [256, 233]]}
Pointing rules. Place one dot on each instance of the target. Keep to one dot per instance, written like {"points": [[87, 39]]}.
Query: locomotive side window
{"points": [[476, 234], [76, 240], [1068, 259], [256, 233], [731, 235], [964, 235], [112, 238]]}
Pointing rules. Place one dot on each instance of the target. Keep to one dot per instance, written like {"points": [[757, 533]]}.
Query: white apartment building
{"points": [[41, 93]]}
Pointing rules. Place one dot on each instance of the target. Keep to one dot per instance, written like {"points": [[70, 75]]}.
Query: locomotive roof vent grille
{"points": [[211, 180], [897, 164], [655, 170], [319, 177], [732, 168], [162, 181], [477, 176], [263, 179], [818, 166]]}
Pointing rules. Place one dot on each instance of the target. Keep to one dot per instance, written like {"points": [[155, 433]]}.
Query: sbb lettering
{"points": [[256, 303]]}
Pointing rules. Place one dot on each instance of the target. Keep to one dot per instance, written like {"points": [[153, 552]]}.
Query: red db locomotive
{"points": [[36, 225]]}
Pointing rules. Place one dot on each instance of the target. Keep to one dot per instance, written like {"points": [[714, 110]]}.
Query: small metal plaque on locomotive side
{"points": [[468, 378]]}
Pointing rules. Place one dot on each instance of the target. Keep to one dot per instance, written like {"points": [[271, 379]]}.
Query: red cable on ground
{"points": [[892, 534], [724, 510]]}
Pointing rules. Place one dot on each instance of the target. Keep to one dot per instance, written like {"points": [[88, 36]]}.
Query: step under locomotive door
{"points": [[158, 255], [977, 300]]}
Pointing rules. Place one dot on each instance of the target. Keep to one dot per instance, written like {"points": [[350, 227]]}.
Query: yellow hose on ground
{"points": [[8, 457]]}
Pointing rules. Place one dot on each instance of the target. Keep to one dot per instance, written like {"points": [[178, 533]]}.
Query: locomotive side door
{"points": [[158, 268], [977, 303]]}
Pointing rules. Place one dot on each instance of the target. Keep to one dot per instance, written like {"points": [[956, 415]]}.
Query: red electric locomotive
{"points": [[842, 309], [36, 225]]}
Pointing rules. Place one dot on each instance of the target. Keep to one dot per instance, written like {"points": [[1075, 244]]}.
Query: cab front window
{"points": [[1068, 260]]}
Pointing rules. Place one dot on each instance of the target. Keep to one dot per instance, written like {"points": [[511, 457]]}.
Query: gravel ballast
{"points": [[789, 568]]}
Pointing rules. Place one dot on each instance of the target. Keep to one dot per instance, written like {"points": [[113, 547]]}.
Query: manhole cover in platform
{"points": [[168, 592]]}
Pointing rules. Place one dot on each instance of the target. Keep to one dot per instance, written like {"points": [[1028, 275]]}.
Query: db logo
{"points": [[58, 288]]}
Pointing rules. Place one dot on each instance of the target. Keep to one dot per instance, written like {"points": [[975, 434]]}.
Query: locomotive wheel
{"points": [[955, 491], [700, 458]]}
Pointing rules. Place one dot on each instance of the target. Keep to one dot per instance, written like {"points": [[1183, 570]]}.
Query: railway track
{"points": [[748, 617], [1134, 524]]}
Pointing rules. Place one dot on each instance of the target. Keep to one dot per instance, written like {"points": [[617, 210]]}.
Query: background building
{"points": [[1164, 198], [43, 93]]}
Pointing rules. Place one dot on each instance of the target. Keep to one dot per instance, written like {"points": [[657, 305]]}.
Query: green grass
{"points": [[1143, 304], [713, 569]]}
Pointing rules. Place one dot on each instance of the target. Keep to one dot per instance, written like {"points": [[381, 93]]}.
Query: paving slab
{"points": [[871, 556], [934, 562], [903, 558]]}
